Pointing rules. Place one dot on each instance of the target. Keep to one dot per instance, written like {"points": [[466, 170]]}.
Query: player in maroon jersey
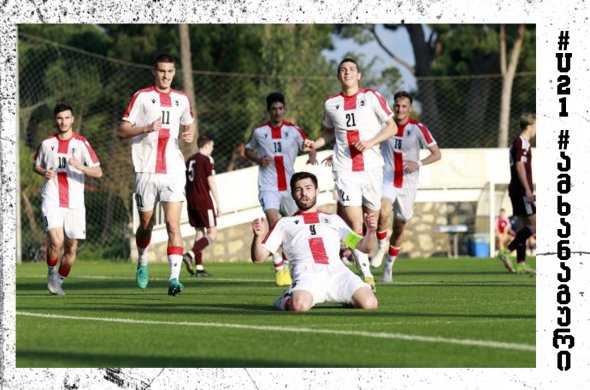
{"points": [[64, 159], [201, 190], [521, 194]]}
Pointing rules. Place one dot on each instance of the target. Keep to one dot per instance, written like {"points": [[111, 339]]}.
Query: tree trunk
{"points": [[507, 81], [423, 56], [28, 210], [189, 89]]}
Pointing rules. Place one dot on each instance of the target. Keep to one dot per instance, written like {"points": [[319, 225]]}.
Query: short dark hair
{"points": [[164, 58], [403, 94], [203, 140], [297, 176], [60, 107], [348, 59], [526, 119], [274, 97]]}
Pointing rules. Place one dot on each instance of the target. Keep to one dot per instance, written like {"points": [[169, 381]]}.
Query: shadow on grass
{"points": [[46, 358]]}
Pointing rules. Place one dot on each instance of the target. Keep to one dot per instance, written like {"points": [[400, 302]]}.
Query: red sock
{"points": [[52, 262], [382, 235], [64, 271], [393, 251]]}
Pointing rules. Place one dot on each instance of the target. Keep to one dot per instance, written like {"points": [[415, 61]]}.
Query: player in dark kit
{"points": [[200, 188], [521, 194]]}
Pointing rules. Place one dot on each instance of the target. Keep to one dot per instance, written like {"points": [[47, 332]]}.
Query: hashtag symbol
{"points": [[564, 39], [564, 139]]}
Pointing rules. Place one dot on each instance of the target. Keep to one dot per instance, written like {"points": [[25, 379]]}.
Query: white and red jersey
{"points": [[66, 189], [158, 152], [502, 223], [281, 144], [355, 118], [404, 146], [309, 238]]}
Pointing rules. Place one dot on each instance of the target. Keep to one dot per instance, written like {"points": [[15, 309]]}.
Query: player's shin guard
{"points": [[175, 260]]}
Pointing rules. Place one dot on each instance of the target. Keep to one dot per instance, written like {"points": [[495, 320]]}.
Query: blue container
{"points": [[478, 245]]}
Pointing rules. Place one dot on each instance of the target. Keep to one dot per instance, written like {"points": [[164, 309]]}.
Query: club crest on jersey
{"points": [[53, 147], [176, 103], [286, 133], [362, 102], [325, 220], [73, 150], [296, 221], [408, 132], [154, 101], [337, 106]]}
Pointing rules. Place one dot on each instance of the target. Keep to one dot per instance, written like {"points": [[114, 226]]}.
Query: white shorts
{"points": [[278, 200], [72, 221], [326, 283], [402, 200], [359, 188], [158, 187]]}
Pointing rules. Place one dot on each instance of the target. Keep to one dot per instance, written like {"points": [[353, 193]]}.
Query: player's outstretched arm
{"points": [[257, 252], [367, 243]]}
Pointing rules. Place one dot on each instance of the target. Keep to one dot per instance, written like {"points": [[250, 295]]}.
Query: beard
{"points": [[305, 207]]}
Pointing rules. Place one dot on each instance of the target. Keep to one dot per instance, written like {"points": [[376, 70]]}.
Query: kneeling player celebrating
{"points": [[311, 240]]}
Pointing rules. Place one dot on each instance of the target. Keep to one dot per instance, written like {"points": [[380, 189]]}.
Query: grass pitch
{"points": [[437, 313]]}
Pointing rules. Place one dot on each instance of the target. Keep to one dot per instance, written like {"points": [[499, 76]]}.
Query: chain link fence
{"points": [[462, 112]]}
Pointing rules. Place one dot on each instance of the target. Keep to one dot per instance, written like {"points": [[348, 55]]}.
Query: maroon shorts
{"points": [[202, 217], [522, 207]]}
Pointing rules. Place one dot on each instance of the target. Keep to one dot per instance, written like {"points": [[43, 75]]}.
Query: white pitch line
{"points": [[379, 335], [132, 278]]}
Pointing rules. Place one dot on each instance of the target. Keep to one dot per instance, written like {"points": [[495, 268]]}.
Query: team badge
{"points": [[408, 132], [154, 101], [286, 134], [176, 103], [296, 221], [53, 147], [362, 102], [325, 220], [337, 106]]}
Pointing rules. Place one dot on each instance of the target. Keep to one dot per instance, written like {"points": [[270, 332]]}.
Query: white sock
{"points": [[175, 262], [383, 243], [390, 260], [200, 267], [278, 261], [142, 258], [362, 262]]}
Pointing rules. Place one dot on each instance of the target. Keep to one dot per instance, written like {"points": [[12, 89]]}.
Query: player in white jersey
{"points": [[153, 120], [64, 159], [274, 146], [400, 178], [359, 119], [311, 240]]}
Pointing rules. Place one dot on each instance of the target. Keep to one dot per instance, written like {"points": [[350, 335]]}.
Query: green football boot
{"points": [[174, 287], [141, 277]]}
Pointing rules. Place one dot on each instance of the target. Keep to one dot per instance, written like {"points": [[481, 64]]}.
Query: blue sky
{"points": [[397, 41]]}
